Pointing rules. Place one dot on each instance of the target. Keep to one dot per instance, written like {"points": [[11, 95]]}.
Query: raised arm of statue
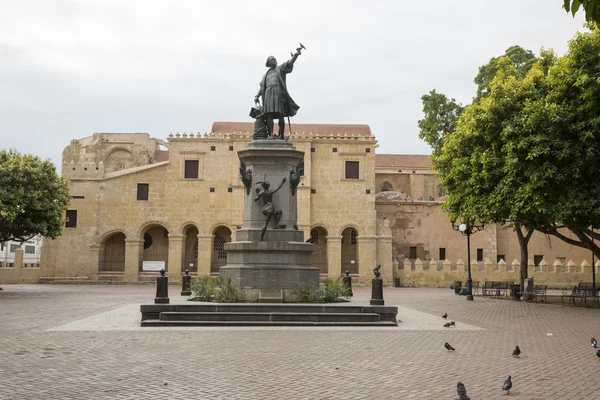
{"points": [[280, 185]]}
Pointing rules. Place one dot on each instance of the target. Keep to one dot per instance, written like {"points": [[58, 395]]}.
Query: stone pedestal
{"points": [[282, 259]]}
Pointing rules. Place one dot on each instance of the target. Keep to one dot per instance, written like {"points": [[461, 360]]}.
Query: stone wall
{"points": [[434, 273]]}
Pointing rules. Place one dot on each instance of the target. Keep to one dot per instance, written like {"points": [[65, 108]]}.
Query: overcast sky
{"points": [[72, 68]]}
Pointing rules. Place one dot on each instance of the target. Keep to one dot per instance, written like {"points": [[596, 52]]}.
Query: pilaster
{"points": [[334, 256], [133, 255], [175, 257], [204, 254]]}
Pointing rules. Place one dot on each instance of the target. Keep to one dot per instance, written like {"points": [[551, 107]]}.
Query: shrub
{"points": [[305, 292], [227, 292], [333, 291], [204, 288]]}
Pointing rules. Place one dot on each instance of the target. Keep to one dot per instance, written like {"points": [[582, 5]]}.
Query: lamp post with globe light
{"points": [[467, 228]]}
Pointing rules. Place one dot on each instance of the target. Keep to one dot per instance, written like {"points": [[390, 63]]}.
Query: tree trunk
{"points": [[523, 244]]}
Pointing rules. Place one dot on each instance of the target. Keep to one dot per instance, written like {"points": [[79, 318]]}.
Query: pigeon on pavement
{"points": [[598, 354], [507, 385], [448, 347], [447, 325], [445, 316], [516, 352], [594, 342], [462, 391], [452, 323]]}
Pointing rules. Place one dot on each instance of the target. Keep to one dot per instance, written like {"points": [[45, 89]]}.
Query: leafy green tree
{"points": [[441, 116], [591, 8], [33, 197], [522, 61]]}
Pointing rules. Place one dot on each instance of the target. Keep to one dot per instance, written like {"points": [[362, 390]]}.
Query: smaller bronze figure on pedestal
{"points": [[268, 209], [295, 178], [246, 179]]}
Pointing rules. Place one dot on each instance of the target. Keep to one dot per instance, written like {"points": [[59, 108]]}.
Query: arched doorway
{"points": [[350, 251], [112, 253], [386, 187], [190, 249], [156, 247], [218, 259], [318, 237]]}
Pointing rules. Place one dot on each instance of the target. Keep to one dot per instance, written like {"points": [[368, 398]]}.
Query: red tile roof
{"points": [[402, 161], [315, 129]]}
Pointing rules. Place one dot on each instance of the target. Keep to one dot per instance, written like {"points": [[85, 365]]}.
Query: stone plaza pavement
{"points": [[84, 342]]}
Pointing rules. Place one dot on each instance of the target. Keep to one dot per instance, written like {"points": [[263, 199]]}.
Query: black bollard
{"points": [[377, 288], [162, 289], [347, 282], [185, 283]]}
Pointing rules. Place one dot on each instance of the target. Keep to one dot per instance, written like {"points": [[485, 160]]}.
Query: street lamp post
{"points": [[467, 229], [593, 266]]}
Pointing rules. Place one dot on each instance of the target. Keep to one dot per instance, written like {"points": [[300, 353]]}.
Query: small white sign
{"points": [[152, 265], [352, 262]]}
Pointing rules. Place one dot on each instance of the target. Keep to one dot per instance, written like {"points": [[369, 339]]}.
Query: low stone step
{"points": [[269, 316], [157, 322]]}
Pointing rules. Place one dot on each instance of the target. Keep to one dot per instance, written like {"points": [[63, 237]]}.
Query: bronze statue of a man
{"points": [[277, 103]]}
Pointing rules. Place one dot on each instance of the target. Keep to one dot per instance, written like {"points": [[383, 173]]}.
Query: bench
{"points": [[539, 291], [496, 288], [582, 291], [464, 290]]}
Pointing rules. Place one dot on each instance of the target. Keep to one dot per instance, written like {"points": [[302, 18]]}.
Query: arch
{"points": [[349, 250], [149, 224], [217, 226], [112, 252], [348, 226], [108, 234], [318, 237], [119, 158], [190, 248], [320, 226], [156, 243], [386, 187], [183, 227], [220, 235]]}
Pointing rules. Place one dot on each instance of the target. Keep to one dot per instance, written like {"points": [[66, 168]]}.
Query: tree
{"points": [[591, 8], [479, 164], [441, 116], [33, 197]]}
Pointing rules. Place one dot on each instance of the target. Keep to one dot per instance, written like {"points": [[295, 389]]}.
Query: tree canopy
{"points": [[591, 8], [441, 116], [33, 197]]}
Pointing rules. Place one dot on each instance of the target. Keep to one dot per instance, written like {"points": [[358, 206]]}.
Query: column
{"points": [[94, 262], [133, 258], [18, 264], [334, 256], [384, 258], [367, 258], [204, 254], [175, 257]]}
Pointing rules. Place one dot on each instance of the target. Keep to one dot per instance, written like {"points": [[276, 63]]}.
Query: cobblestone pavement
{"points": [[50, 350]]}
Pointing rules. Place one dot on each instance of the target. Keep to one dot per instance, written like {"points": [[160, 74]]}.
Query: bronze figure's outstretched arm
{"points": [[280, 185]]}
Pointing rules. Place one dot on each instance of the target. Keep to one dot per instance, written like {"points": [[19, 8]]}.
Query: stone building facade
{"points": [[139, 203]]}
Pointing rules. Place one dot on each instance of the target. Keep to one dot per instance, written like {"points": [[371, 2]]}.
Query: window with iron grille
{"points": [[412, 253], [191, 169], [142, 191], [479, 254], [71, 219], [352, 170], [29, 249]]}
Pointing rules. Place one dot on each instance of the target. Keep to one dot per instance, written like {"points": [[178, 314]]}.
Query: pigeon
{"points": [[598, 354], [516, 352], [507, 385], [452, 323], [594, 342], [445, 316], [448, 347], [462, 391], [447, 325]]}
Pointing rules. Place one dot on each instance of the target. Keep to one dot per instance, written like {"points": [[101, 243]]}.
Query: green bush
{"points": [[227, 292], [305, 292], [333, 291], [204, 288]]}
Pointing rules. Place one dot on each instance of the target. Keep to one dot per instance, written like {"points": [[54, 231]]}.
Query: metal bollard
{"points": [[377, 288], [186, 284], [162, 289], [347, 282]]}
